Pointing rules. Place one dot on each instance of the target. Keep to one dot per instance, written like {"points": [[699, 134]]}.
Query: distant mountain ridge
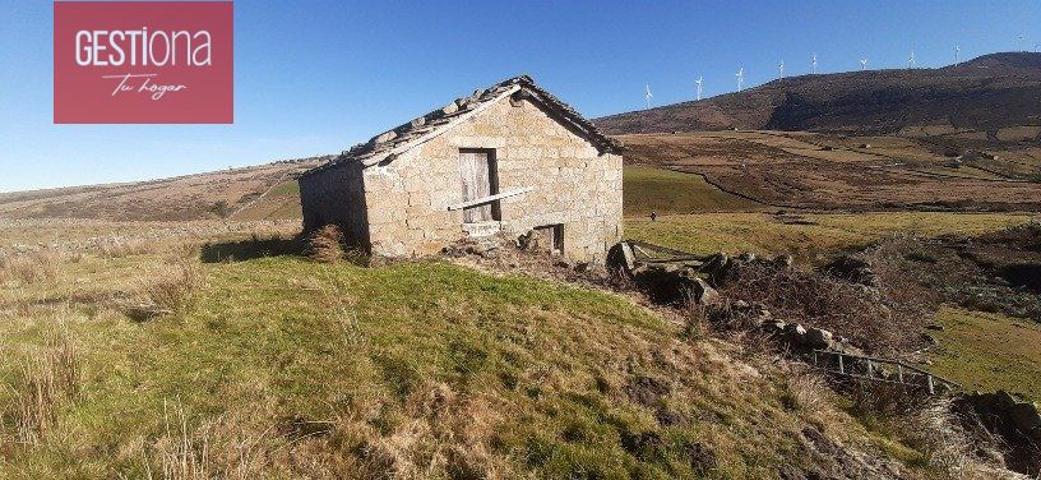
{"points": [[985, 94]]}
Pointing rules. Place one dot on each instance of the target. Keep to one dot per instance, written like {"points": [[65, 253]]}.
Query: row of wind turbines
{"points": [[911, 63]]}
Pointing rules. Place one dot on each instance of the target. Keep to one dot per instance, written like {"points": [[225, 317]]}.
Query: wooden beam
{"points": [[491, 198]]}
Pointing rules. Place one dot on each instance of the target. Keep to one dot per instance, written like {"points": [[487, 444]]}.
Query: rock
{"points": [[702, 293], [819, 339], [716, 265], [783, 261], [1024, 417], [387, 136], [746, 257], [853, 270], [450, 108], [674, 284], [795, 334]]}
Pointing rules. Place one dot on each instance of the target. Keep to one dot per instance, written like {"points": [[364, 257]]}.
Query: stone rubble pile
{"points": [[1016, 422]]}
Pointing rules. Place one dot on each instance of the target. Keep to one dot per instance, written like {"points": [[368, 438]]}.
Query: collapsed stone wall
{"points": [[573, 184]]}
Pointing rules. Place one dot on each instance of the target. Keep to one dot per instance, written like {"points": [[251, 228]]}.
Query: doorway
{"points": [[480, 179]]}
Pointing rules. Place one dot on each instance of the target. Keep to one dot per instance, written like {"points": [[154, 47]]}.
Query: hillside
{"points": [[986, 94], [262, 192], [281, 367], [802, 170]]}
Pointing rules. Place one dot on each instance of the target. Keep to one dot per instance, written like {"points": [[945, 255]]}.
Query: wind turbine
{"points": [[910, 60], [863, 64], [1022, 47], [648, 95], [813, 62], [957, 54], [780, 69], [1036, 46], [740, 78], [698, 83]]}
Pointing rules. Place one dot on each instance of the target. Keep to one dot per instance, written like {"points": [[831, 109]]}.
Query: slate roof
{"points": [[387, 145]]}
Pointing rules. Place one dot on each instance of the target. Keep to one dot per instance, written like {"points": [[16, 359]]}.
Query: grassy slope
{"points": [[826, 233], [987, 351], [429, 369], [650, 189]]}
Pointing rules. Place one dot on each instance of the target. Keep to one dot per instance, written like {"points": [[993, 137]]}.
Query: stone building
{"points": [[511, 158]]}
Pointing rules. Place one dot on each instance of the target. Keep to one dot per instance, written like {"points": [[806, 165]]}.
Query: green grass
{"points": [[426, 368], [824, 234], [649, 189], [286, 189], [986, 351]]}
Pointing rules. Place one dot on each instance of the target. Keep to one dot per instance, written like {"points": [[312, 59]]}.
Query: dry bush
{"points": [[326, 245], [174, 288], [30, 268], [814, 299], [695, 322], [49, 378], [119, 248], [949, 449], [804, 391]]}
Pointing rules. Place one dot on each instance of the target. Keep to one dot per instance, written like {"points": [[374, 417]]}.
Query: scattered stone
{"points": [[854, 270], [1016, 422], [784, 261], [387, 136], [819, 339]]}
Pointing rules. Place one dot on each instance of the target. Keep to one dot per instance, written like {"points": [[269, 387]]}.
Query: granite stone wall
{"points": [[408, 199], [336, 196]]}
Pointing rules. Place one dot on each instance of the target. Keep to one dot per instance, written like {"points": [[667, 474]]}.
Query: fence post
{"points": [[932, 390], [900, 372], [842, 368]]}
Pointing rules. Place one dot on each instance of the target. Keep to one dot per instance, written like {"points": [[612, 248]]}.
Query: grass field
{"points": [[985, 351], [650, 189], [806, 236], [281, 367]]}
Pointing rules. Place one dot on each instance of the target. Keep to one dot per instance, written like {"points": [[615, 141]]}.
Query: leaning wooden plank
{"points": [[491, 198]]}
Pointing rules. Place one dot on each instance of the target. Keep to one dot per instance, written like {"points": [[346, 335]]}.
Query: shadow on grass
{"points": [[251, 249]]}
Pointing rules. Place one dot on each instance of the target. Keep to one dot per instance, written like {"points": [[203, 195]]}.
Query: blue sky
{"points": [[316, 76]]}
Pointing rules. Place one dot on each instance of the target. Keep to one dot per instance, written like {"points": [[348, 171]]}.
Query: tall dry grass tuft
{"points": [[30, 268], [948, 448], [803, 391], [49, 378], [326, 245], [118, 248], [216, 449], [175, 287]]}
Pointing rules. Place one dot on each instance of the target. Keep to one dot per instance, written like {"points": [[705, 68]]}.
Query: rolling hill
{"points": [[986, 94], [262, 192]]}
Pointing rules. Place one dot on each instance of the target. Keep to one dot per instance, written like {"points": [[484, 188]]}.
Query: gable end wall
{"points": [[574, 185]]}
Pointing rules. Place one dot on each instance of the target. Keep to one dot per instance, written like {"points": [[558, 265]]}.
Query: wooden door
{"points": [[476, 170]]}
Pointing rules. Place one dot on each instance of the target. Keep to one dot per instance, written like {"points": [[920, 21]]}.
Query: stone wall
{"points": [[336, 196], [574, 185]]}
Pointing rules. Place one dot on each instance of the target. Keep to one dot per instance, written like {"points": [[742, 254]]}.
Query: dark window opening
{"points": [[551, 238]]}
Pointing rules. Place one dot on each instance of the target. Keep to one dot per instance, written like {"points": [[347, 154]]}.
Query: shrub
{"points": [[173, 290], [326, 245], [817, 300]]}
